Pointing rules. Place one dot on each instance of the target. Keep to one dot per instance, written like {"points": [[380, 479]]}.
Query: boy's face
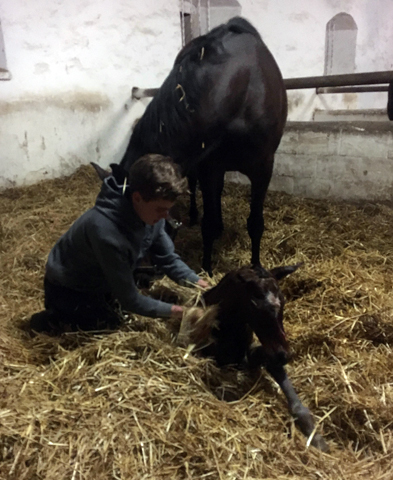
{"points": [[152, 211]]}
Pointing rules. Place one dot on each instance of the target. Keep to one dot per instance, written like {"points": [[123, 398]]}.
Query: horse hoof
{"points": [[319, 442], [305, 423]]}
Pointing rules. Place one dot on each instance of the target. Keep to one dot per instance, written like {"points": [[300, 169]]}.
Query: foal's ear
{"points": [[281, 272]]}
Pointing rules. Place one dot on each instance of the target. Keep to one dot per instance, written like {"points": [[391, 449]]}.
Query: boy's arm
{"points": [[163, 255], [118, 263]]}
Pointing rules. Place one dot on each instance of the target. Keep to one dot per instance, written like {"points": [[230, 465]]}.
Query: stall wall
{"points": [[295, 33], [73, 64]]}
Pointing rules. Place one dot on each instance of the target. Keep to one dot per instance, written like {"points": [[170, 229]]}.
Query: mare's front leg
{"points": [[302, 415], [211, 183], [259, 172]]}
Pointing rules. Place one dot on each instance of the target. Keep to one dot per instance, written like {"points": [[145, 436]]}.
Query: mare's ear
{"points": [[281, 272], [116, 170], [101, 172], [119, 173]]}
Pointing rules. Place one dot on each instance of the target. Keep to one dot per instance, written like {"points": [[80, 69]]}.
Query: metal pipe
{"points": [[138, 93], [368, 78], [325, 81], [352, 89]]}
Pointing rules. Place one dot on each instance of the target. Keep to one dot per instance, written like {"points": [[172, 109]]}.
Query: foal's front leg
{"points": [[301, 414]]}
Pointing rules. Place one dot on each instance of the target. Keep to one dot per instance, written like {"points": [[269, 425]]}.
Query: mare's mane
{"points": [[169, 115]]}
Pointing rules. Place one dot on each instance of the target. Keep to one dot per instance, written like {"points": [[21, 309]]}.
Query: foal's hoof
{"points": [[306, 425], [319, 442]]}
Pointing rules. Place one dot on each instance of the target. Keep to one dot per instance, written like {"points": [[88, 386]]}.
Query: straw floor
{"points": [[134, 405]]}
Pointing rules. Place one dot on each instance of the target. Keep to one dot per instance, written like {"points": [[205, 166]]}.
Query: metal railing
{"points": [[346, 83]]}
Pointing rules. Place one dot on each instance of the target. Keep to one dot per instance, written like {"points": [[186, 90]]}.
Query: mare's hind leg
{"points": [[260, 177], [211, 183], [192, 184]]}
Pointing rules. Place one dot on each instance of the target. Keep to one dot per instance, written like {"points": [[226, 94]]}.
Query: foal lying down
{"points": [[249, 301]]}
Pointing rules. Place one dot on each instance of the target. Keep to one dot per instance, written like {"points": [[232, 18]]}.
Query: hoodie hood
{"points": [[117, 206]]}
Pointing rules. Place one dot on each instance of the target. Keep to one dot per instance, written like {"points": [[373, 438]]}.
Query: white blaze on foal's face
{"points": [[274, 301]]}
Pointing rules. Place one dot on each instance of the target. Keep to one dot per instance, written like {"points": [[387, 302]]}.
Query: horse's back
{"points": [[223, 85], [246, 86], [238, 98], [223, 107], [228, 63]]}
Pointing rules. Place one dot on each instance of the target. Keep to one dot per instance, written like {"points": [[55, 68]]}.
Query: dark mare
{"points": [[222, 108]]}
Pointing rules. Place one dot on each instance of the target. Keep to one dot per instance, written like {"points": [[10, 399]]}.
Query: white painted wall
{"points": [[73, 63], [294, 31]]}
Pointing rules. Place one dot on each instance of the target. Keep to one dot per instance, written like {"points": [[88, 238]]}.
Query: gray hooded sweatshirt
{"points": [[100, 251]]}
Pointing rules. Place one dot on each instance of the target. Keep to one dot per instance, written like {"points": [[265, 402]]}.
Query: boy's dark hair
{"points": [[156, 177]]}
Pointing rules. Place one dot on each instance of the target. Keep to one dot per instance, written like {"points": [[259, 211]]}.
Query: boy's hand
{"points": [[202, 283], [176, 311]]}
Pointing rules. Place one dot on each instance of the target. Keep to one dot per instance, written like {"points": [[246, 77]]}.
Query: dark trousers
{"points": [[70, 310]]}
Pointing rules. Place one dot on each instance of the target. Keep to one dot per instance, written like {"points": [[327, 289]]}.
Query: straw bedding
{"points": [[135, 405]]}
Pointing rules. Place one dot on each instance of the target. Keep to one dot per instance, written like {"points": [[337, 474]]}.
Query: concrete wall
{"points": [[333, 160], [73, 64], [350, 161]]}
